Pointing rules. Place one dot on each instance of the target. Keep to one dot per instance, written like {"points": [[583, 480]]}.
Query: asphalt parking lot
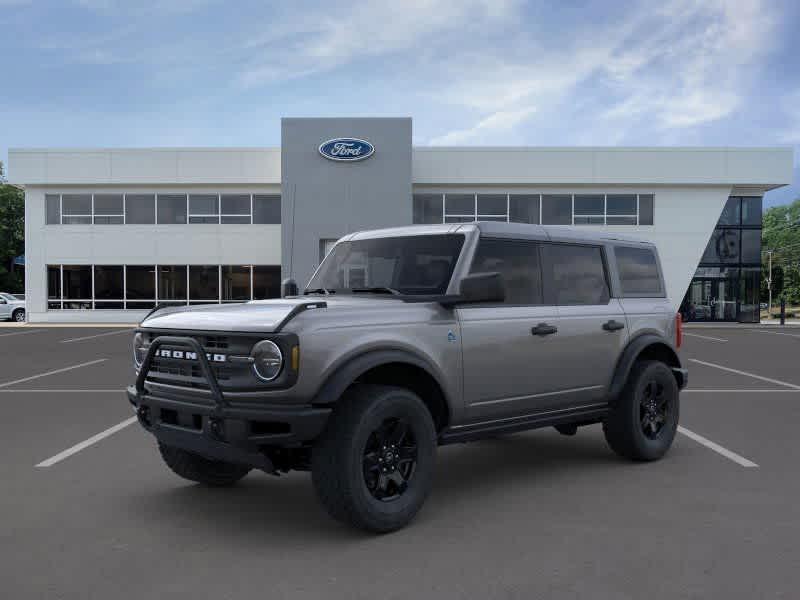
{"points": [[87, 509]]}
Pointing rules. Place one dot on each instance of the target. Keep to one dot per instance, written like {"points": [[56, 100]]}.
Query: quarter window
{"points": [[638, 272], [574, 274], [517, 262]]}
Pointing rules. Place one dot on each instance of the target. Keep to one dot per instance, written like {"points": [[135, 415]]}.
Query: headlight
{"points": [[267, 360], [139, 351]]}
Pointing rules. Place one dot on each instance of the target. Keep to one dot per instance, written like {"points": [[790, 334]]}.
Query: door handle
{"points": [[613, 325], [544, 329]]}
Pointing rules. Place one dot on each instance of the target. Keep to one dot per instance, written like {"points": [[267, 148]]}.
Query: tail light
{"points": [[678, 330]]}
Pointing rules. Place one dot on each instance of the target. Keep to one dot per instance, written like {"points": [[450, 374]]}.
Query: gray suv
{"points": [[408, 338]]}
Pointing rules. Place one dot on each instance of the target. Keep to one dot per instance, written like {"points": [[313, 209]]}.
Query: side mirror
{"points": [[482, 287], [288, 288]]}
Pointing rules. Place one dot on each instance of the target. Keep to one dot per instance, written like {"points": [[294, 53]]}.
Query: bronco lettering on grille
{"points": [[187, 355]]}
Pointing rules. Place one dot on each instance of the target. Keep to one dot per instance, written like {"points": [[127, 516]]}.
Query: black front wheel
{"points": [[642, 422], [373, 466], [19, 315]]}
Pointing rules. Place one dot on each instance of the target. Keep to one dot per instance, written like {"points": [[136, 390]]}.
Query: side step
{"points": [[475, 431]]}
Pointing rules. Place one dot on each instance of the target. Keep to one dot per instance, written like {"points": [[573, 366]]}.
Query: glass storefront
{"points": [[727, 282]]}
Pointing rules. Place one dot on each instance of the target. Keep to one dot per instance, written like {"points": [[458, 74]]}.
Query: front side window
{"points": [[517, 262], [409, 264], [574, 274], [638, 272]]}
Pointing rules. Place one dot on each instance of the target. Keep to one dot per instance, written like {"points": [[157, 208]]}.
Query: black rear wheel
{"points": [[643, 421], [373, 465], [19, 315]]}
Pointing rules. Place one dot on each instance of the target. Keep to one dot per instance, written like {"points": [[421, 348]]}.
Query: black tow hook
{"points": [[217, 428], [143, 414]]}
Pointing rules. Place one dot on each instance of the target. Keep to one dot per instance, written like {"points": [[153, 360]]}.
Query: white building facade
{"points": [[110, 233]]}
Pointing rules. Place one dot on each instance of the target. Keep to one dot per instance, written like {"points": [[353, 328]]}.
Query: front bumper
{"points": [[218, 430]]}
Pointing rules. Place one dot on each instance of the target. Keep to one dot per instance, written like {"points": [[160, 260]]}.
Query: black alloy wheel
{"points": [[654, 409], [390, 459]]}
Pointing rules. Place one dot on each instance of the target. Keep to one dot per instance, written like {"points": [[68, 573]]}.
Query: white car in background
{"points": [[12, 308]]}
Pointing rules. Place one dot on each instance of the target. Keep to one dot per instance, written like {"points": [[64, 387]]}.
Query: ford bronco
{"points": [[405, 339]]}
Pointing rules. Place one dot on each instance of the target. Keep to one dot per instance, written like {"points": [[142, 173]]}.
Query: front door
{"points": [[507, 366], [711, 300]]}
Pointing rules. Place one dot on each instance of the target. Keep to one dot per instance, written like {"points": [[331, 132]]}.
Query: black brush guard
{"points": [[225, 431]]}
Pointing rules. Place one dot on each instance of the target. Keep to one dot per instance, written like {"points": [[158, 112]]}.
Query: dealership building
{"points": [[110, 233]]}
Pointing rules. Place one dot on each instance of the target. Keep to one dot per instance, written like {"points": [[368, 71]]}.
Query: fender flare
{"points": [[633, 350], [345, 374]]}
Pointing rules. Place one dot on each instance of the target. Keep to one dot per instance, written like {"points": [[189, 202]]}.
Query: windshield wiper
{"points": [[376, 290], [320, 290]]}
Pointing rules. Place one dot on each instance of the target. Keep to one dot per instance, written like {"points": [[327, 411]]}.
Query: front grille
{"points": [[188, 373]]}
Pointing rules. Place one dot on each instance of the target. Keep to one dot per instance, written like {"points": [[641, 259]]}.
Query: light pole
{"points": [[769, 286]]}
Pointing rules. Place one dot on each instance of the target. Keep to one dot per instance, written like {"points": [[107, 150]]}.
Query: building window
{"points": [[204, 208], [325, 246], [589, 209], [140, 209], [203, 283], [172, 284], [428, 208], [524, 208], [53, 209], [76, 209], [141, 287], [235, 209], [266, 282], [164, 209], [171, 209], [236, 284], [109, 209], [557, 209], [547, 209], [726, 284], [266, 209]]}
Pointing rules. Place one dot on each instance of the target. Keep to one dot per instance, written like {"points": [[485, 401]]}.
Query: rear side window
{"points": [[517, 262], [574, 274], [638, 272]]}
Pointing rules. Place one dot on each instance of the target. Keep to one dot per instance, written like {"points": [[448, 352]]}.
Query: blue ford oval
{"points": [[346, 149]]}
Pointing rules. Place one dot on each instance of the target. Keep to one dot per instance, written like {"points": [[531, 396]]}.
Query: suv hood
{"points": [[262, 316]]}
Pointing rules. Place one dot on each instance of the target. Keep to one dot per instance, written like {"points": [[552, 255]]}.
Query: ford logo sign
{"points": [[346, 149]]}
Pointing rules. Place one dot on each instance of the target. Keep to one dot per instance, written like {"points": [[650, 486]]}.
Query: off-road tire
{"points": [[200, 469], [337, 461], [18, 315], [623, 427]]}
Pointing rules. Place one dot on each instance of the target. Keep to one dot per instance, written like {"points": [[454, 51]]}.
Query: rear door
{"points": [[506, 366], [592, 330]]}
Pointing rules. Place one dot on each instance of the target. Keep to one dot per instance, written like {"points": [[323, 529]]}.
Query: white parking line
{"points": [[91, 337], [794, 335], [24, 379], [22, 332], [705, 337], [86, 443], [746, 374], [740, 460], [87, 391]]}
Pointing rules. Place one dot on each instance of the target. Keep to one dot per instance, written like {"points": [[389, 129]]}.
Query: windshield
{"points": [[418, 264]]}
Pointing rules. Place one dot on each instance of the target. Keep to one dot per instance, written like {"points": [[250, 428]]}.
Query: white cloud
{"points": [[677, 66], [496, 122], [301, 45]]}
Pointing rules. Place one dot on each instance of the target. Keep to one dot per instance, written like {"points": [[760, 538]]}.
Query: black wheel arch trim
{"points": [[633, 350], [345, 374]]}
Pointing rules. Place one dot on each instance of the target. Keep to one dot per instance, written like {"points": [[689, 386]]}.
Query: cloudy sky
{"points": [[470, 72]]}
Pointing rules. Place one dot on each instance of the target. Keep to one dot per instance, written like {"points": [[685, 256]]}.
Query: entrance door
{"points": [[711, 300]]}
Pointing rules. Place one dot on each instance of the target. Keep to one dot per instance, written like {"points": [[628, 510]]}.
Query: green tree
{"points": [[781, 235], [12, 235]]}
